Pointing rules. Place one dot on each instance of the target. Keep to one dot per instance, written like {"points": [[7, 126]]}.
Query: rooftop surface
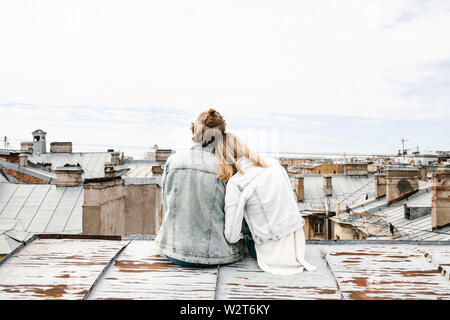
{"points": [[384, 214], [83, 267], [346, 190], [27, 209], [92, 162]]}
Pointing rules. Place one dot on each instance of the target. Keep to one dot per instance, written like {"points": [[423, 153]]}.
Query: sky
{"points": [[288, 76]]}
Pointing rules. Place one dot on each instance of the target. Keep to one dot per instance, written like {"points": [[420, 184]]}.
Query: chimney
{"points": [[26, 147], [423, 172], [69, 176], [380, 185], [440, 201], [23, 160], [300, 188], [39, 142], [400, 183], [157, 170], [61, 147], [328, 185], [109, 169], [162, 154], [115, 158]]}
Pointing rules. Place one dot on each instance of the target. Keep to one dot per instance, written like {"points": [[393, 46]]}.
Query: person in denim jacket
{"points": [[192, 233]]}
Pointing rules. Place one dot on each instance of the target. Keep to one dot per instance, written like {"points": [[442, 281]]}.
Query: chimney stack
{"points": [[328, 185], [23, 160], [440, 201], [69, 176], [401, 182], [115, 158], [380, 185], [26, 147], [109, 169], [300, 188], [157, 170]]}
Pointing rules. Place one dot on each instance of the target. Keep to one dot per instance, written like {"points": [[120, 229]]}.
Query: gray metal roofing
{"points": [[93, 163], [2, 178], [133, 269], [346, 189], [418, 229], [34, 209], [140, 172]]}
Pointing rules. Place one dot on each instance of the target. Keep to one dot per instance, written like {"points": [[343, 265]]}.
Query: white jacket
{"points": [[265, 198]]}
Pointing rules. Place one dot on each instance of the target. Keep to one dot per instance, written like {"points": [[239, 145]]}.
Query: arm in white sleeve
{"points": [[235, 201]]}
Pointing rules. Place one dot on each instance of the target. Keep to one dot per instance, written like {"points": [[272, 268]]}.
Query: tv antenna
{"points": [[403, 146]]}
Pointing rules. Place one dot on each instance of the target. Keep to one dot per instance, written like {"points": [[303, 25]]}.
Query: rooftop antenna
{"points": [[403, 147]]}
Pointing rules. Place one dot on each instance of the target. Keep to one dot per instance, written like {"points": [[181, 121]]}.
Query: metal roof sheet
{"points": [[133, 269], [92, 162], [2, 178], [7, 244], [40, 209], [140, 265], [347, 190]]}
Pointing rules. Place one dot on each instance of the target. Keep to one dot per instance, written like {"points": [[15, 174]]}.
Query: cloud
{"points": [[112, 64]]}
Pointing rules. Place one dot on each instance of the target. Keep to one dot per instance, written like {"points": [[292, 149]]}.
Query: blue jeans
{"points": [[190, 265], [250, 244]]}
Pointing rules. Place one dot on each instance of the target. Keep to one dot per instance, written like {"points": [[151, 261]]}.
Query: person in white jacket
{"points": [[260, 192]]}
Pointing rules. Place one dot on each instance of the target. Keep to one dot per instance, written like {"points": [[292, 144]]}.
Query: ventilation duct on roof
{"points": [[413, 213]]}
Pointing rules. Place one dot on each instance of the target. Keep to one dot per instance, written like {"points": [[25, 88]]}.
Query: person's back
{"points": [[271, 211], [260, 192], [193, 199]]}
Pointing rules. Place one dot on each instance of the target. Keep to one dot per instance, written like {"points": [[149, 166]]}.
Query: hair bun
{"points": [[212, 112]]}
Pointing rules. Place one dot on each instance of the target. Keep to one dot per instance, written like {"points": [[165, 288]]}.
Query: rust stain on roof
{"points": [[105, 270]]}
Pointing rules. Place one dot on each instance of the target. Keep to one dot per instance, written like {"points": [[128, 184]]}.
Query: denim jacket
{"points": [[265, 199], [194, 199]]}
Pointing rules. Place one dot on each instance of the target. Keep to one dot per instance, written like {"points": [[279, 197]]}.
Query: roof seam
{"points": [[37, 210], [23, 204], [73, 208], [7, 202], [54, 210], [323, 255], [105, 269]]}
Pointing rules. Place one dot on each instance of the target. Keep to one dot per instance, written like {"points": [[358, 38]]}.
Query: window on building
{"points": [[318, 226]]}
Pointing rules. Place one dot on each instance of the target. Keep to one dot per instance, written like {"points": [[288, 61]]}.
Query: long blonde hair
{"points": [[228, 150]]}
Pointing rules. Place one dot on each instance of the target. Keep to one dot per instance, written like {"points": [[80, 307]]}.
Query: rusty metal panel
{"points": [[439, 256], [385, 272], [244, 280], [55, 268], [141, 273]]}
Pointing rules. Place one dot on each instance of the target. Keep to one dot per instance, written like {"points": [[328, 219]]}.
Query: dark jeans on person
{"points": [[250, 244], [190, 265]]}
